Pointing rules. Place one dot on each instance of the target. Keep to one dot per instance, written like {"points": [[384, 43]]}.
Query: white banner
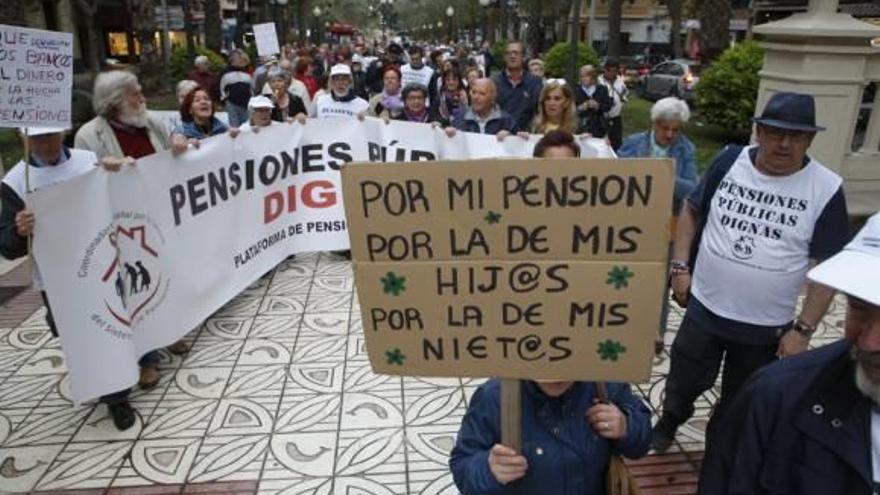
{"points": [[134, 260], [36, 77]]}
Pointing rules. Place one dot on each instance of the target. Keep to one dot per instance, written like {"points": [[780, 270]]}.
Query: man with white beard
{"points": [[123, 127], [124, 130], [810, 424]]}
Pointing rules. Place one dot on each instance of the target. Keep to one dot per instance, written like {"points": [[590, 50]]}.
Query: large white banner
{"points": [[133, 260]]}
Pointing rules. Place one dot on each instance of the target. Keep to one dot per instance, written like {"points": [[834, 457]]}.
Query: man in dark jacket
{"points": [[236, 88], [484, 116], [518, 89], [567, 439], [811, 424]]}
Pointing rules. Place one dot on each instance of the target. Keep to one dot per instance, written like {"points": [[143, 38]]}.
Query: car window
{"points": [[676, 70], [662, 68]]}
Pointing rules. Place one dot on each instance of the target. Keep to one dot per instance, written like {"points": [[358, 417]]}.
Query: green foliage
{"points": [[557, 59], [251, 50], [180, 64], [498, 54], [727, 90]]}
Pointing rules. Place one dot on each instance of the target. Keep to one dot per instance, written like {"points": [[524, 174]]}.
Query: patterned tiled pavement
{"points": [[276, 396]]}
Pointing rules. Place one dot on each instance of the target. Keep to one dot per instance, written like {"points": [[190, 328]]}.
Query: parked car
{"points": [[636, 66], [678, 77]]}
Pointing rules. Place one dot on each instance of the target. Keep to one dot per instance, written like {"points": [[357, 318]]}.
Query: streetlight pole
{"points": [[450, 11], [485, 6], [317, 13]]}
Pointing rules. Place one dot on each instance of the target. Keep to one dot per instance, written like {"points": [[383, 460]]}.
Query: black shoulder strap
{"points": [[720, 166]]}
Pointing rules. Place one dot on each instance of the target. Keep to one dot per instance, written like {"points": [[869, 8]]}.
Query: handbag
{"points": [[618, 479]]}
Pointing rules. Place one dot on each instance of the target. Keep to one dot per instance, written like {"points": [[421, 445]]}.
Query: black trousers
{"points": [[697, 354], [615, 132]]}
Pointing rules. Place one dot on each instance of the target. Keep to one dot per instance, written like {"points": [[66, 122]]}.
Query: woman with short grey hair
{"points": [[667, 140], [670, 109], [288, 106]]}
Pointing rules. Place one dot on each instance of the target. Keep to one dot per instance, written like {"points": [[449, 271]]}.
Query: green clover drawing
{"points": [[610, 350], [492, 217], [394, 356], [619, 277], [392, 284]]}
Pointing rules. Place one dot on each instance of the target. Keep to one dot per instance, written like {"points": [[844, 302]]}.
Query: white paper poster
{"points": [[267, 39], [36, 77]]}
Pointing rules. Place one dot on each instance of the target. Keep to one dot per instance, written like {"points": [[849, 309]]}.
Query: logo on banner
{"points": [[136, 280]]}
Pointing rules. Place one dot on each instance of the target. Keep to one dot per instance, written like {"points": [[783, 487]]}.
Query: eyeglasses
{"points": [[559, 81]]}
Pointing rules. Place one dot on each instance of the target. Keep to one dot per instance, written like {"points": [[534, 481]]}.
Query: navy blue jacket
{"points": [[520, 101], [800, 426], [565, 455], [498, 121], [193, 131]]}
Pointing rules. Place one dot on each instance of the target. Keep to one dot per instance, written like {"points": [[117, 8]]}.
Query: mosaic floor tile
{"points": [[276, 396]]}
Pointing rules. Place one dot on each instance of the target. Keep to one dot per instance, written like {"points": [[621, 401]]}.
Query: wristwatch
{"points": [[677, 267], [802, 328]]}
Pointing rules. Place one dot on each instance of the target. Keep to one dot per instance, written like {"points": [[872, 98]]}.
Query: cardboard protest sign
{"points": [[549, 269], [36, 77], [267, 39]]}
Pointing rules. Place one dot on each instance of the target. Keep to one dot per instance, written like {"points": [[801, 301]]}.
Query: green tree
{"points": [[556, 60], [728, 90], [714, 28]]}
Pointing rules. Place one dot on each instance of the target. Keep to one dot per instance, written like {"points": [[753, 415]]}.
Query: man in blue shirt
{"points": [[518, 90]]}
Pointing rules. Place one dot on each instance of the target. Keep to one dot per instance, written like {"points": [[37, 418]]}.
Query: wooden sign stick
{"points": [[511, 413], [27, 189]]}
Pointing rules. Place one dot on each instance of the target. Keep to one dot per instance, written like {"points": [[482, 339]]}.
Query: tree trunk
{"points": [[84, 12], [615, 12], [573, 42], [12, 13], [150, 66], [675, 7], [213, 25], [714, 29], [239, 24]]}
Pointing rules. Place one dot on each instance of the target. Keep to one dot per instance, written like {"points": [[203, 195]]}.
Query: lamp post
{"points": [[317, 13], [280, 27], [449, 13], [485, 5]]}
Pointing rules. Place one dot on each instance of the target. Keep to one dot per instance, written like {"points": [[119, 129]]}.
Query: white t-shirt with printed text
{"points": [[754, 253], [327, 107]]}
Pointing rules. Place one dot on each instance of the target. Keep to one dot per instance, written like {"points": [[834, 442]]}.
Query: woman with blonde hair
{"points": [[556, 109]]}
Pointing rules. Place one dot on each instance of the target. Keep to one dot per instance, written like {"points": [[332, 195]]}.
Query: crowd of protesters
{"points": [[450, 87], [762, 441]]}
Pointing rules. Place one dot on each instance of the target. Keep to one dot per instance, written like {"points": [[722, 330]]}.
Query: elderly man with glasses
{"points": [[758, 220]]}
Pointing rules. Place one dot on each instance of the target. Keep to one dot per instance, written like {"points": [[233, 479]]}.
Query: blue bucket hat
{"points": [[793, 111]]}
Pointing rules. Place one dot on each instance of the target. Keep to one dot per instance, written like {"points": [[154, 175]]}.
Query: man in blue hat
{"points": [[811, 424], [759, 219]]}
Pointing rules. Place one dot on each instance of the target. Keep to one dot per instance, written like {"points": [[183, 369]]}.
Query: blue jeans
{"points": [[237, 114]]}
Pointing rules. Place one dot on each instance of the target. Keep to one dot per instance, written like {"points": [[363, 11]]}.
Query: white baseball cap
{"points": [[856, 269], [39, 131], [340, 70], [259, 102]]}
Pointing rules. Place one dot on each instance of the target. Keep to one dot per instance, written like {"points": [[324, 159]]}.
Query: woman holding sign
{"points": [[568, 434]]}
